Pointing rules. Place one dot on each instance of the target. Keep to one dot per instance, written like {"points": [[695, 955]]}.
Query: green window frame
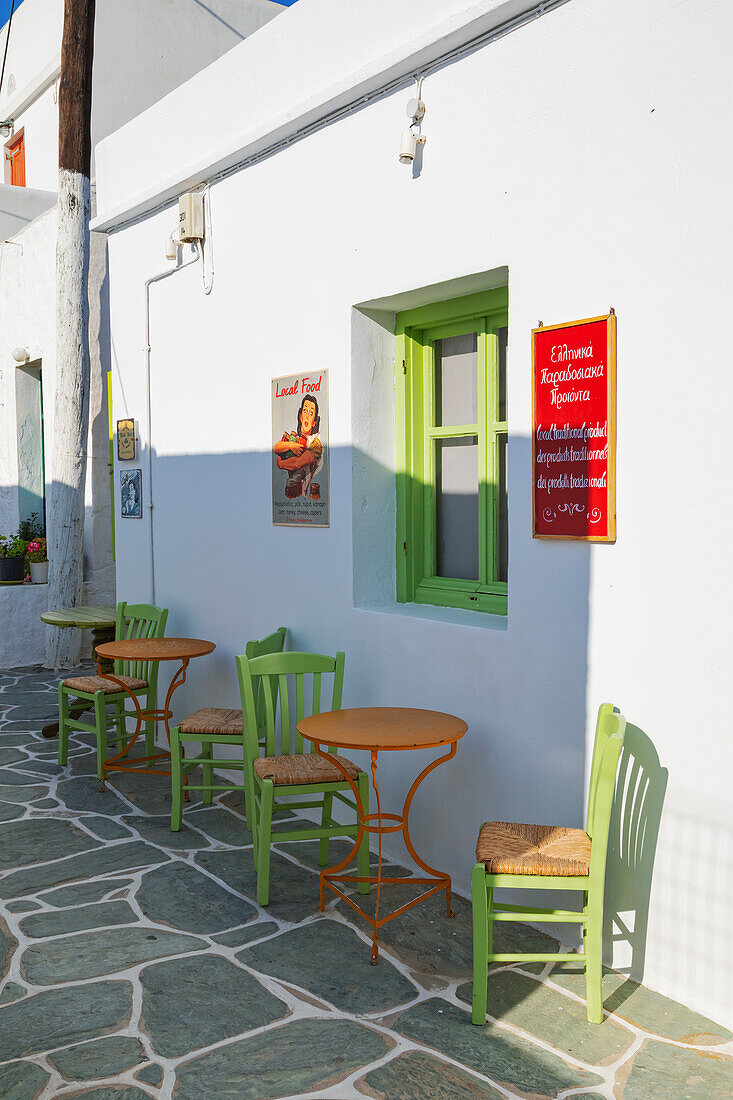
{"points": [[417, 330]]}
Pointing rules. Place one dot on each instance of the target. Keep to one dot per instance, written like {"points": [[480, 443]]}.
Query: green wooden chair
{"points": [[216, 726], [134, 620], [295, 772], [547, 857]]}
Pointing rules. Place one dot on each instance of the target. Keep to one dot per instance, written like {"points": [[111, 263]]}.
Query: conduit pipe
{"points": [[149, 415]]}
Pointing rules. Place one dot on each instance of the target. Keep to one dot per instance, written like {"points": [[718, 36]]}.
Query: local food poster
{"points": [[574, 417], [300, 495]]}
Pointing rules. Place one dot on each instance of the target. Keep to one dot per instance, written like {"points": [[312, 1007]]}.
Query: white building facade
{"points": [[573, 156], [142, 52]]}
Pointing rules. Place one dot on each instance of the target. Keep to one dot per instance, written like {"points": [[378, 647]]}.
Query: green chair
{"points": [[548, 857], [215, 726], [134, 620], [295, 772]]}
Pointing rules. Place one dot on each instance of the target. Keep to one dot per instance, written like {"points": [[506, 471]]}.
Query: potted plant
{"points": [[38, 561], [12, 558]]}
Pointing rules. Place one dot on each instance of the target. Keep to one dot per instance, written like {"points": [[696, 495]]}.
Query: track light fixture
{"points": [[412, 137]]}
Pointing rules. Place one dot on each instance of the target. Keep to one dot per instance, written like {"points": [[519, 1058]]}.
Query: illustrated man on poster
{"points": [[300, 452]]}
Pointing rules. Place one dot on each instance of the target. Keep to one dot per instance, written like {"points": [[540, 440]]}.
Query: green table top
{"points": [[85, 618]]}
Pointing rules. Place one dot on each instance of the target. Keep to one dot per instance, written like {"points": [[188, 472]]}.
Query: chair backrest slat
{"points": [[282, 687], [270, 697], [606, 753], [299, 708], [272, 643], [140, 620], [316, 709]]}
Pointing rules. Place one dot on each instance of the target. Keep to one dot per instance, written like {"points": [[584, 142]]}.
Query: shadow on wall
{"points": [[632, 844], [228, 574]]}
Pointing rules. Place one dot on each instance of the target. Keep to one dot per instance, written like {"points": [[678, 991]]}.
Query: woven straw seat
{"points": [[305, 767], [506, 848], [90, 684], [213, 720]]}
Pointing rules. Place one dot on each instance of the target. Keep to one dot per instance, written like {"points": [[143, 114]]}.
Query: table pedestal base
{"points": [[437, 881]]}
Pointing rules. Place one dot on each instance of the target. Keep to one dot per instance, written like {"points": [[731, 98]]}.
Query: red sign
{"points": [[574, 430]]}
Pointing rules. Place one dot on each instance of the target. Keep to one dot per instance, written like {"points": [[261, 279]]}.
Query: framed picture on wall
{"points": [[300, 482], [126, 440], [131, 494]]}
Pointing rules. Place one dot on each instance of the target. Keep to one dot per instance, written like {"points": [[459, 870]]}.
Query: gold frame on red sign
{"points": [[610, 319]]}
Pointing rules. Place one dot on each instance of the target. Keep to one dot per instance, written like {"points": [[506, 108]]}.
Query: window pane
{"points": [[456, 483], [502, 538], [502, 335], [456, 380]]}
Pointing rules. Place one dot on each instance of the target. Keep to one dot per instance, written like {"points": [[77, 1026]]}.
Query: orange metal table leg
{"points": [[164, 714], [437, 881]]}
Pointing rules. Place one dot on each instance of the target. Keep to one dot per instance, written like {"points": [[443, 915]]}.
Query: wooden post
{"points": [[71, 409]]}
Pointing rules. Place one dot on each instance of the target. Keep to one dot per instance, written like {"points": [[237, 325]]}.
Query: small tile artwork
{"points": [[135, 962]]}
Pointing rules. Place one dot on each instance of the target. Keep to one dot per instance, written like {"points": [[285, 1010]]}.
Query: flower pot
{"points": [[11, 569], [39, 572]]}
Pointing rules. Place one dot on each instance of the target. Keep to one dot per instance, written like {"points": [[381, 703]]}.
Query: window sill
{"points": [[480, 620]]}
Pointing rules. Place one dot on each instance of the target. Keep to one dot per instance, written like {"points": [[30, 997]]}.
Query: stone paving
{"points": [[135, 962]]}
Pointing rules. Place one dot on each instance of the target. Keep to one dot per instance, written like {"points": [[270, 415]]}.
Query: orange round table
{"points": [[148, 649], [383, 729]]}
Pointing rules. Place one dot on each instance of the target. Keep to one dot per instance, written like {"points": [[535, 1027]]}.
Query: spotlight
{"points": [[412, 137]]}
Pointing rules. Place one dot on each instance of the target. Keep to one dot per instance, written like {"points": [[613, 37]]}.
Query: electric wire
{"points": [[7, 43]]}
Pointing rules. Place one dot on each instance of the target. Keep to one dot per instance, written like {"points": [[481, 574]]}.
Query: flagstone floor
{"points": [[137, 964]]}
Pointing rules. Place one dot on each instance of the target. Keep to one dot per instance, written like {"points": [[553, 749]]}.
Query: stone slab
{"points": [[182, 897], [515, 1064], [22, 794], [304, 1056], [119, 857], [86, 917], [41, 767], [10, 813], [12, 777], [12, 992], [37, 840], [58, 1017], [152, 1074], [663, 1072], [22, 1081], [293, 891], [644, 1008], [84, 892], [220, 825], [83, 793], [11, 755], [8, 944], [420, 1076], [102, 1058], [109, 1092], [157, 830], [196, 1002], [238, 937], [330, 961], [93, 954], [555, 1019], [106, 828]]}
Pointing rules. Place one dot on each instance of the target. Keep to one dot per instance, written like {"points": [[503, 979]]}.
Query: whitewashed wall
{"points": [[28, 319], [142, 51], [584, 152]]}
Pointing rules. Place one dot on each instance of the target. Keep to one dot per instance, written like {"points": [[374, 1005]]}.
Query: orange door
{"points": [[15, 153]]}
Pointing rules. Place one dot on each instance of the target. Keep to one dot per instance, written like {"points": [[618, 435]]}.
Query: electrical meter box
{"points": [[191, 216]]}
